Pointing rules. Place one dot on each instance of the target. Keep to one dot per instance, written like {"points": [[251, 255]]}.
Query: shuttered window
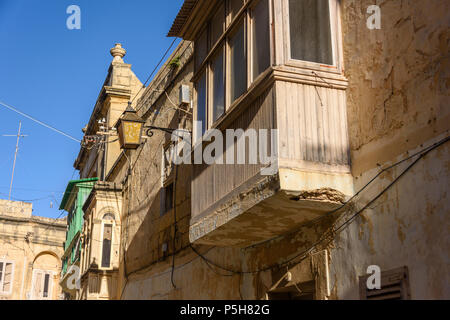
{"points": [[42, 285], [6, 276], [37, 284], [1, 274], [394, 286]]}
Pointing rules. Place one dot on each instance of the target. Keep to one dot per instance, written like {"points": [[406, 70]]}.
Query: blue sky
{"points": [[55, 75]]}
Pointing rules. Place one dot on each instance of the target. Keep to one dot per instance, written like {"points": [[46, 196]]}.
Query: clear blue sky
{"points": [[55, 75]]}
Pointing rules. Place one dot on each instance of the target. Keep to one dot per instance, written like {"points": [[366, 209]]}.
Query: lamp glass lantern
{"points": [[129, 128]]}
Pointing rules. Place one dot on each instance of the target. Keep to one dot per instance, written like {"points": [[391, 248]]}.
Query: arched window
{"points": [[108, 216], [108, 223]]}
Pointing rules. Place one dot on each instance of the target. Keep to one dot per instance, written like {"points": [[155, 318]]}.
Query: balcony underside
{"points": [[259, 211]]}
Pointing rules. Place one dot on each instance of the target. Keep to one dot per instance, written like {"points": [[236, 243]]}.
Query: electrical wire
{"points": [[38, 121], [303, 254], [156, 67], [170, 83], [346, 203]]}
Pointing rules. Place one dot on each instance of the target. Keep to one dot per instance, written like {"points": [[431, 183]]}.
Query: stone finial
{"points": [[118, 52]]}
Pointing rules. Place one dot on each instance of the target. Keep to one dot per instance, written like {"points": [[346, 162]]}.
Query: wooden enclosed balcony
{"points": [[267, 64], [236, 205]]}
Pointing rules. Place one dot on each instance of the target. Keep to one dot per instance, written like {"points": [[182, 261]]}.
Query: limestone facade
{"points": [[102, 207], [30, 251]]}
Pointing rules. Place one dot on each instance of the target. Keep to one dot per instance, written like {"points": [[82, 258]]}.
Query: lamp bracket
{"points": [[150, 129]]}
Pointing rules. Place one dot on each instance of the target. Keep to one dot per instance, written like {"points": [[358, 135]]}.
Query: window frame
{"points": [[231, 25], [222, 5], [50, 286], [243, 21], [202, 74], [336, 41], [229, 18], [249, 42], [2, 278], [201, 64], [220, 45], [113, 223]]}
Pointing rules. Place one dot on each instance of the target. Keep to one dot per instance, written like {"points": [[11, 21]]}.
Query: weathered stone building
{"points": [[99, 232], [30, 251], [361, 162]]}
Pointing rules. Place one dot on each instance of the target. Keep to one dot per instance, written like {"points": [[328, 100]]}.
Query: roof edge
{"points": [[181, 18]]}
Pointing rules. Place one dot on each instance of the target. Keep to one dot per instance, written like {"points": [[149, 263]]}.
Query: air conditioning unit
{"points": [[185, 95]]}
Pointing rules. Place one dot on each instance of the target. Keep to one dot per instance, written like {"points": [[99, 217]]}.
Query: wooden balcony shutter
{"points": [[37, 288], [1, 275], [7, 277], [394, 286]]}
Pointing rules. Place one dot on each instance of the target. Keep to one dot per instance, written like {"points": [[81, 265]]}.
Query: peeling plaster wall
{"points": [[398, 103], [398, 91], [407, 226]]}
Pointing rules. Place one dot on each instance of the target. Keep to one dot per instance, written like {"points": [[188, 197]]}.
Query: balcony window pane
{"points": [[201, 102], [218, 97], [260, 38], [238, 65], [201, 49], [217, 24], [235, 6], [310, 31]]}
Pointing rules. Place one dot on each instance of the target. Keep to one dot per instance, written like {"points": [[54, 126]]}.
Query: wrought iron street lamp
{"points": [[129, 127]]}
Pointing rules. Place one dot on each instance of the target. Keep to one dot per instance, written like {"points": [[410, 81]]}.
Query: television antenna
{"points": [[18, 135]]}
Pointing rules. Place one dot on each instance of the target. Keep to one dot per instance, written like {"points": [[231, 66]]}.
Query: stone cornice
{"points": [[60, 223], [35, 240]]}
